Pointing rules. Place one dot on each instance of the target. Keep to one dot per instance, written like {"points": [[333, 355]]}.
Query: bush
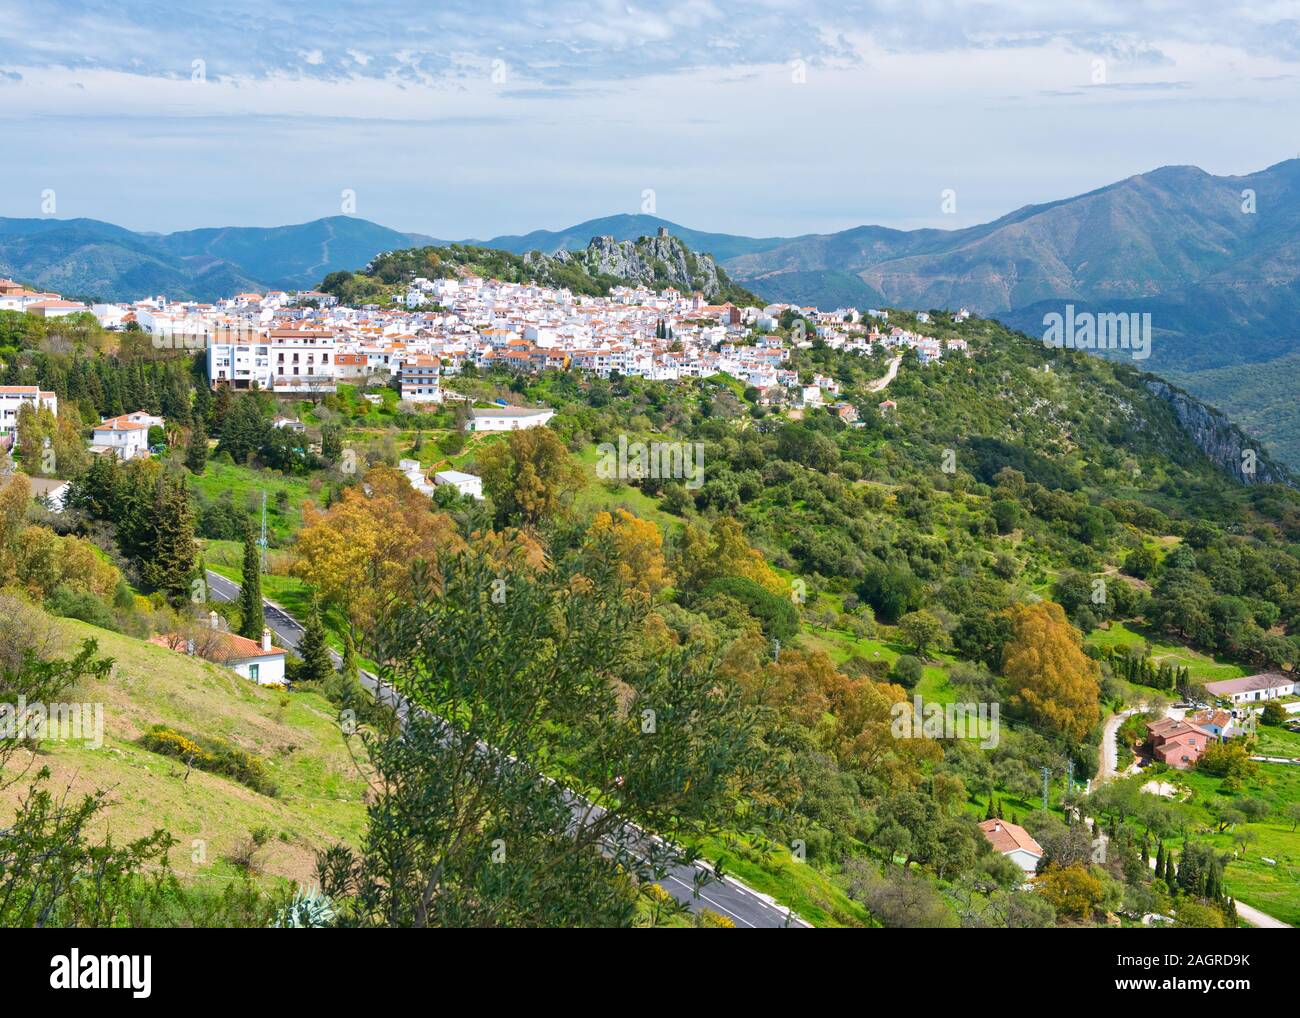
{"points": [[907, 671], [210, 754], [81, 605], [1227, 760], [892, 593], [777, 616]]}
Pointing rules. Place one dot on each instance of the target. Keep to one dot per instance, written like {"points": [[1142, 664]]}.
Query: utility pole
{"points": [[263, 540]]}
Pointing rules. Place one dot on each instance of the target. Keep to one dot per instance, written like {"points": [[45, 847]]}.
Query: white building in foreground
{"points": [[1014, 842], [466, 484], [507, 418]]}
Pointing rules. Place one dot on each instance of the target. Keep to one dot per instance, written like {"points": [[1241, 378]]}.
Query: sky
{"points": [[471, 118]]}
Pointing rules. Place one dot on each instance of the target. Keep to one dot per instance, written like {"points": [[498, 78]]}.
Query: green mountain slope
{"points": [[657, 262]]}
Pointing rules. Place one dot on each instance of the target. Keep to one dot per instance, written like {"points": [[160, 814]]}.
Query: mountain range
{"points": [[1214, 259]]}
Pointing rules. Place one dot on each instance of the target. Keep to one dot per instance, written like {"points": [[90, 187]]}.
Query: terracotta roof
{"points": [[1007, 837]]}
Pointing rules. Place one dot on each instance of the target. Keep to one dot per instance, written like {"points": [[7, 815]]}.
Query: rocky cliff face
{"points": [[1226, 445], [656, 262]]}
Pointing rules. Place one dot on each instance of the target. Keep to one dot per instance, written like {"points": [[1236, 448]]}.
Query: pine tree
{"points": [[251, 619], [317, 666], [170, 560], [196, 455], [988, 813]]}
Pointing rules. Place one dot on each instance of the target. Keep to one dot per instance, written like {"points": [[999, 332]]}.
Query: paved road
{"points": [[743, 905]]}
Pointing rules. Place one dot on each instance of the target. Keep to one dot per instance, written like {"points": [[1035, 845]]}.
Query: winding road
{"points": [[887, 377], [693, 885]]}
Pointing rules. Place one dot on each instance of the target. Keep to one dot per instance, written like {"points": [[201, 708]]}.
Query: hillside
{"points": [[1221, 283], [320, 792], [656, 262]]}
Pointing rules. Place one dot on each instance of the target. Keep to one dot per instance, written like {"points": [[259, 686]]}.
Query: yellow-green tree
{"points": [[530, 476], [1072, 890], [707, 555], [359, 552], [1050, 676], [638, 546]]}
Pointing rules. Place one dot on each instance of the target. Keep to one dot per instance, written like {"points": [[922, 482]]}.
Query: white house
{"points": [[287, 360], [140, 417], [507, 418], [466, 484], [261, 663], [415, 474], [1254, 688], [1014, 842], [14, 397], [421, 380], [125, 439]]}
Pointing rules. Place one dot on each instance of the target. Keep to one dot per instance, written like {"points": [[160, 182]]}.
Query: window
{"points": [[253, 671]]}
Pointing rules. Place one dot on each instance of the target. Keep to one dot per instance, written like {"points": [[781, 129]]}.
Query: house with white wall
{"points": [[1014, 842], [466, 484], [507, 418], [14, 397], [1254, 688], [127, 440], [262, 663]]}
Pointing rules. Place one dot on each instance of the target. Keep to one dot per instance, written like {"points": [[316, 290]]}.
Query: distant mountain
{"points": [[290, 256], [1221, 282], [91, 258]]}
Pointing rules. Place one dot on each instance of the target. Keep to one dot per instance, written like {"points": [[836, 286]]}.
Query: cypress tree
{"points": [[169, 563], [251, 619], [317, 666], [196, 455]]}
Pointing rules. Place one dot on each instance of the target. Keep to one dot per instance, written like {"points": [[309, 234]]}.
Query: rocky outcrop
{"points": [[655, 262], [1223, 443]]}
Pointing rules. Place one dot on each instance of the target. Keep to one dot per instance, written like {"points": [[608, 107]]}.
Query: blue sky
{"points": [[472, 119]]}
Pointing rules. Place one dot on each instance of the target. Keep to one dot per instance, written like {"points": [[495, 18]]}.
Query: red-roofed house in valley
{"points": [[1178, 743], [1014, 842], [262, 662]]}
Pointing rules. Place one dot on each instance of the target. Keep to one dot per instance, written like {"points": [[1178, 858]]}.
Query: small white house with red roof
{"points": [[262, 662], [1014, 842]]}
